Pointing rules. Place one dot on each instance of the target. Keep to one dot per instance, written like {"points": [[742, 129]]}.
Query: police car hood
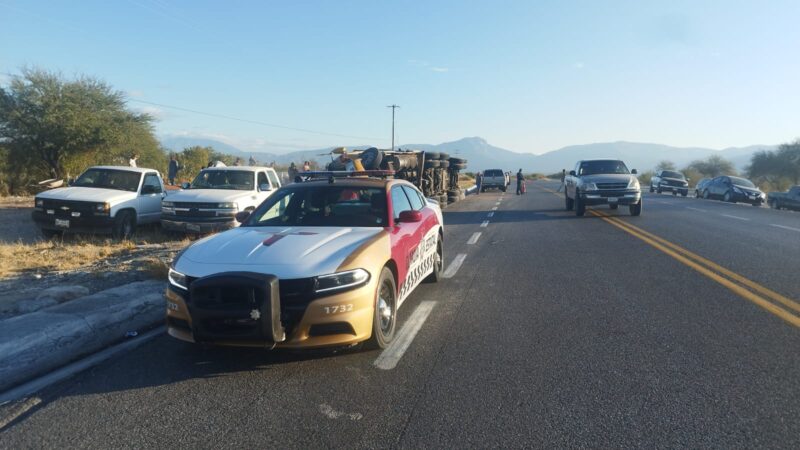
{"points": [[287, 252], [209, 195]]}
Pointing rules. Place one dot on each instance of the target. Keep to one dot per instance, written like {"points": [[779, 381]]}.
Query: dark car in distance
{"points": [[785, 200], [698, 188], [670, 181], [734, 189]]}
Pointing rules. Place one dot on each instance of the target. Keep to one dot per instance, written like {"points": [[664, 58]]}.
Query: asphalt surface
{"points": [[557, 331]]}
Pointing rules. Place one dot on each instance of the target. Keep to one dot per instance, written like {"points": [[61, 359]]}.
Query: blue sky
{"points": [[530, 76]]}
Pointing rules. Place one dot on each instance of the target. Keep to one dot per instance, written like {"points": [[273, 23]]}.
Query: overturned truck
{"points": [[435, 173]]}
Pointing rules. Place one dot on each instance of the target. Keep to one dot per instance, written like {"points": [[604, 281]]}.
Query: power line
{"points": [[256, 122]]}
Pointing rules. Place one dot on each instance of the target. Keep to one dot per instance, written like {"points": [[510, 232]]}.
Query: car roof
{"points": [[125, 168], [242, 168]]}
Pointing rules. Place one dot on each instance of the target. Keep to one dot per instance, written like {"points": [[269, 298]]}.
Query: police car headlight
{"points": [[341, 281], [177, 279]]}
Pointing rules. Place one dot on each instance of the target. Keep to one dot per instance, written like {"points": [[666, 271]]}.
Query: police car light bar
{"points": [[346, 174]]}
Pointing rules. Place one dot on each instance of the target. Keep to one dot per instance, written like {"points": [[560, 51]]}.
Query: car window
{"points": [[413, 198], [400, 202], [603, 167], [122, 180], [322, 206], [742, 182], [273, 178], [670, 174], [262, 179], [239, 180], [151, 179]]}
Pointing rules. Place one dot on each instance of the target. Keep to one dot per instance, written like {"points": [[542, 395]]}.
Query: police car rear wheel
{"points": [[438, 263], [383, 322]]}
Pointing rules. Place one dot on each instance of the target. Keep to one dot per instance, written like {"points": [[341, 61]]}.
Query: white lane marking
{"points": [[328, 411], [490, 214], [484, 224], [454, 265], [18, 410], [389, 358], [474, 238], [734, 217], [494, 209], [784, 227], [697, 209], [78, 366]]}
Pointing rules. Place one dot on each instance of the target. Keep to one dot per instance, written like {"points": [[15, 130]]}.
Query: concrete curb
{"points": [[35, 343]]}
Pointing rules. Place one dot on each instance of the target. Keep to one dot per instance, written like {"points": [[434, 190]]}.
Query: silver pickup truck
{"points": [[494, 178], [602, 182]]}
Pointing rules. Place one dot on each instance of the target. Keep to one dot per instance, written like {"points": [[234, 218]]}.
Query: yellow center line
{"points": [[709, 269]]}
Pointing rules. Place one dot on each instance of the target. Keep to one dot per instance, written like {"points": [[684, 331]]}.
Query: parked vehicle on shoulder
{"points": [[785, 200], [103, 199], [734, 189], [210, 203], [670, 181], [700, 186], [318, 264], [494, 179], [602, 182]]}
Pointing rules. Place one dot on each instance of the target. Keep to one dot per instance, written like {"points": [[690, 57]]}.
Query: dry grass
{"points": [[75, 252]]}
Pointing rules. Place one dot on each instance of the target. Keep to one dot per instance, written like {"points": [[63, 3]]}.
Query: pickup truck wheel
{"points": [[569, 203], [580, 207], [383, 320], [658, 190], [684, 193], [438, 263], [636, 210], [674, 193], [50, 234], [651, 189], [124, 226]]}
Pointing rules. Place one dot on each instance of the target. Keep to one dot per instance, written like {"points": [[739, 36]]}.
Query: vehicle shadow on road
{"points": [[508, 216]]}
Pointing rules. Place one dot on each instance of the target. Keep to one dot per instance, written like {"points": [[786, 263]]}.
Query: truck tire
{"points": [[432, 164], [636, 210], [458, 166], [452, 199], [580, 207], [458, 161], [444, 157], [569, 203], [371, 158], [444, 164], [454, 192], [432, 156], [124, 226]]}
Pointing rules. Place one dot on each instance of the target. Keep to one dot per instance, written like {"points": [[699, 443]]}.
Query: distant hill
{"points": [[482, 155]]}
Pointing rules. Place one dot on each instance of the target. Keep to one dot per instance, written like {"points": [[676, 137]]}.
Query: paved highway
{"points": [[679, 328]]}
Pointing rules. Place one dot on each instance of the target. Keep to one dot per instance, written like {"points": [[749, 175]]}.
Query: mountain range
{"points": [[482, 155]]}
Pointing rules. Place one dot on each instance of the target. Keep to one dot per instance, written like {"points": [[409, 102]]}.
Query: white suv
{"points": [[210, 203]]}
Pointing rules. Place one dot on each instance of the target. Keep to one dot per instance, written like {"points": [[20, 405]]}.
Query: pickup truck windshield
{"points": [[742, 182], [670, 174], [322, 206], [603, 167], [109, 179], [238, 180]]}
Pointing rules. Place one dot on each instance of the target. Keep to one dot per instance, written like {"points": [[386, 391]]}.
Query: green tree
{"points": [[193, 160], [777, 169], [713, 166], [51, 125], [665, 165]]}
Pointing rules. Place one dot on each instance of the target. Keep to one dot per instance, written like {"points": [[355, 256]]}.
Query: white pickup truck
{"points": [[102, 199], [210, 203]]}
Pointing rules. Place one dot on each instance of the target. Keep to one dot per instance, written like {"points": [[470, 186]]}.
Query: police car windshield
{"points": [[122, 180], [322, 206], [239, 180]]}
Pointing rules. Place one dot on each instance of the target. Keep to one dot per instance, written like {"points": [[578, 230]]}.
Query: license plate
{"points": [[193, 227], [62, 223], [613, 199]]}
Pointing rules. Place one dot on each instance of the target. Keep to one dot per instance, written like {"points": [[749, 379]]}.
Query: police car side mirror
{"points": [[242, 216], [410, 216]]}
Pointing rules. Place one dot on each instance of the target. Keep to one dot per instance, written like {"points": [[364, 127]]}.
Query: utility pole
{"points": [[393, 108]]}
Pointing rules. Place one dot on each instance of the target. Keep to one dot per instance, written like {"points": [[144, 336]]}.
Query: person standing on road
{"points": [[292, 172], [520, 180], [563, 177], [173, 169], [307, 166], [478, 181], [132, 161], [252, 161]]}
